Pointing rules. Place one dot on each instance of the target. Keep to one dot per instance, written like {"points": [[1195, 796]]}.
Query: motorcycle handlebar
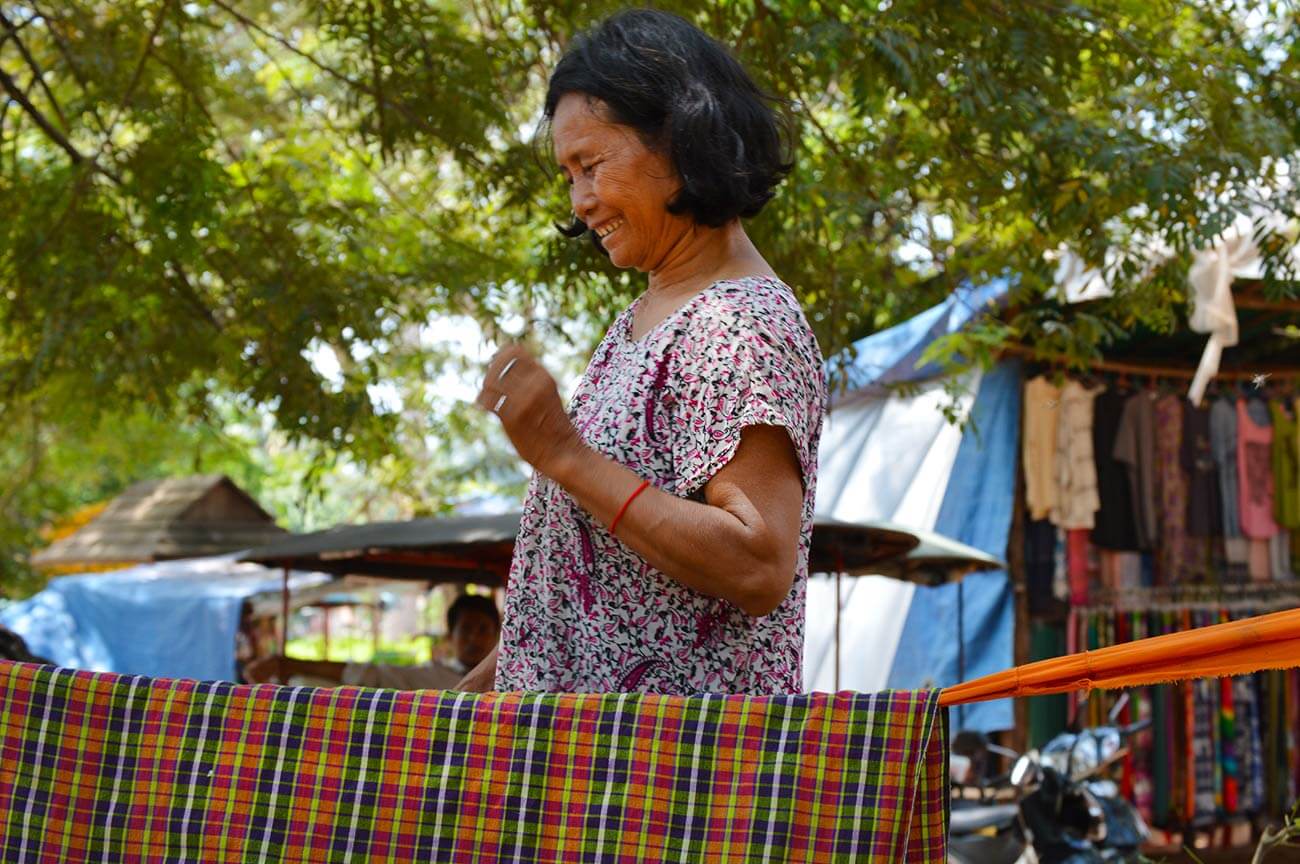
{"points": [[1134, 728]]}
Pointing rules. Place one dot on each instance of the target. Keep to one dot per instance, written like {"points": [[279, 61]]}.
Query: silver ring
{"points": [[507, 368], [496, 409]]}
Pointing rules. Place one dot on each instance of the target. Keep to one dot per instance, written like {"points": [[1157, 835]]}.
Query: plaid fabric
{"points": [[136, 769]]}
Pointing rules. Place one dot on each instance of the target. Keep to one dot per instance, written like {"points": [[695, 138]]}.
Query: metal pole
{"points": [[284, 624], [837, 631], [839, 569], [961, 645]]}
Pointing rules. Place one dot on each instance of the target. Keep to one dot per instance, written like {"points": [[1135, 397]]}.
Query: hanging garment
{"points": [[1249, 744], [1076, 544], [1114, 527], [1076, 469], [1286, 466], [1135, 449], [1279, 556], [1040, 565], [95, 764], [1042, 410], [1204, 751], [1255, 469], [1223, 440], [1286, 489], [1229, 768], [1178, 555], [1204, 492]]}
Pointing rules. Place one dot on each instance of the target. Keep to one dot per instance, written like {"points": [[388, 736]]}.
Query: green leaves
{"points": [[253, 180]]}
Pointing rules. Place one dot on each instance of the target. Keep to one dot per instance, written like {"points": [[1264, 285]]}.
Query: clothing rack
{"points": [[1151, 370], [1259, 598]]}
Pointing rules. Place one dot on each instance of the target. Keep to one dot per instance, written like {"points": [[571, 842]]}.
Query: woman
{"points": [[664, 541]]}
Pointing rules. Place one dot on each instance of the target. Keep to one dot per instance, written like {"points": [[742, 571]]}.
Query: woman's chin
{"points": [[620, 258]]}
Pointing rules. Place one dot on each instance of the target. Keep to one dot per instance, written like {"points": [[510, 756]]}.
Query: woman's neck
{"points": [[704, 256]]}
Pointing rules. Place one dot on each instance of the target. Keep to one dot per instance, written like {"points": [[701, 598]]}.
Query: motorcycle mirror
{"points": [[1118, 708], [1022, 773]]}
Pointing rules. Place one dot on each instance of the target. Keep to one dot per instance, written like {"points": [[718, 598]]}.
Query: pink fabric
{"points": [[1076, 540], [583, 612], [1255, 473]]}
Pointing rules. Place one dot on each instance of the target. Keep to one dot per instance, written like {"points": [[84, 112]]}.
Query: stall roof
{"points": [[456, 549], [478, 548], [158, 520]]}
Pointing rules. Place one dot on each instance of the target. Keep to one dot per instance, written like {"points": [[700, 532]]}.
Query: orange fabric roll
{"points": [[1236, 648]]}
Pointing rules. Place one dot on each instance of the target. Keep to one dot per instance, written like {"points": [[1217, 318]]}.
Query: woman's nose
{"points": [[583, 200]]}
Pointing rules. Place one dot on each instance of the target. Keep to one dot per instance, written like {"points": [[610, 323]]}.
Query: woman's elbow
{"points": [[766, 590]]}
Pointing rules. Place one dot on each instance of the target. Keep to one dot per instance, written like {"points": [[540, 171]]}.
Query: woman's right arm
{"points": [[482, 678]]}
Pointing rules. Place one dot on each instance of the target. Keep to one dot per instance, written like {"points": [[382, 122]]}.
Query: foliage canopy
{"points": [[201, 197]]}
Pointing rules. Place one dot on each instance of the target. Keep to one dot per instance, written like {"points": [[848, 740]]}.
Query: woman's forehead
{"points": [[580, 124]]}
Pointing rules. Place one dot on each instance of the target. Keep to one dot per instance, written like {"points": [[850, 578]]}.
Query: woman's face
{"points": [[618, 186]]}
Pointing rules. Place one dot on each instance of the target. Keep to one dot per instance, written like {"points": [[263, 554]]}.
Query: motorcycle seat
{"points": [[968, 820]]}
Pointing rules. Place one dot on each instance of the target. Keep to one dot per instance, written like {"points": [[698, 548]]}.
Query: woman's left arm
{"points": [[741, 544]]}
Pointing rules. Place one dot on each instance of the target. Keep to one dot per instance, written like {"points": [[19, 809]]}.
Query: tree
{"points": [[203, 196]]}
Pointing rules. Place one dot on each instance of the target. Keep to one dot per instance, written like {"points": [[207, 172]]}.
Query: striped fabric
{"points": [[119, 768]]}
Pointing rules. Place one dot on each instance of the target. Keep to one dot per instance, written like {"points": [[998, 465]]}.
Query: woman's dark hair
{"points": [[683, 91], [472, 603]]}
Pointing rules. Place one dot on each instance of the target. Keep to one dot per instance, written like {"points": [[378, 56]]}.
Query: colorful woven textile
{"points": [[118, 768]]}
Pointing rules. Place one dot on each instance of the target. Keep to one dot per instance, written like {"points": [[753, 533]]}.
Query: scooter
{"points": [[1072, 816], [1059, 812], [989, 829]]}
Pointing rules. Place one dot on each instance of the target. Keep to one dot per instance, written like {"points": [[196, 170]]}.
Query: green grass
{"points": [[360, 649]]}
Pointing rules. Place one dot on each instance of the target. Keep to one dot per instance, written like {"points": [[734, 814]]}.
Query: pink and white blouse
{"points": [[583, 612]]}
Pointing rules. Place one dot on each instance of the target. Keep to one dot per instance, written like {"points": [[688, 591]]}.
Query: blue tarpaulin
{"points": [[173, 619], [893, 456], [977, 509]]}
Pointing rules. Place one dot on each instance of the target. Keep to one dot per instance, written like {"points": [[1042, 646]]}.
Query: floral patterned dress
{"points": [[583, 612]]}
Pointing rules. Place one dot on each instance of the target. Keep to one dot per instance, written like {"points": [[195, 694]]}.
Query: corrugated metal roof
{"points": [[177, 517]]}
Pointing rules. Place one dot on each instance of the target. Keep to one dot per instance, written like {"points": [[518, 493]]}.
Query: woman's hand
{"points": [[526, 399]]}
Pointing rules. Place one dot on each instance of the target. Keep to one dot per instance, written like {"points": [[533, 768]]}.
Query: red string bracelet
{"points": [[623, 509]]}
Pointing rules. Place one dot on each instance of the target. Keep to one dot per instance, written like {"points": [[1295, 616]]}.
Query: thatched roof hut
{"points": [[158, 520]]}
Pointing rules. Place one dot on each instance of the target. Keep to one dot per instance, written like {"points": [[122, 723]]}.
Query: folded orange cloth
{"points": [[1236, 648]]}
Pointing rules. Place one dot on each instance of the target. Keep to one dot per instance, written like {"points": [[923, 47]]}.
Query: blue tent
{"points": [[889, 453]]}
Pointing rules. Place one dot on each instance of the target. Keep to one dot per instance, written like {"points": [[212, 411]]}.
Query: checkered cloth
{"points": [[120, 768]]}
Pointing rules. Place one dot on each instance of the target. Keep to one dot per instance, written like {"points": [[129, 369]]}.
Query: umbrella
{"points": [[886, 549], [854, 549], [1219, 651], [936, 558]]}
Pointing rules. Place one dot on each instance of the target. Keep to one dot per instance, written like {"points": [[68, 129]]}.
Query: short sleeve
{"points": [[746, 358]]}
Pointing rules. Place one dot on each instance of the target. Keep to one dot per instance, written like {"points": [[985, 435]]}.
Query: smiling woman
{"points": [[664, 541]]}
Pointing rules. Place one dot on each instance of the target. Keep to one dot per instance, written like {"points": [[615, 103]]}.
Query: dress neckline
{"points": [[690, 301]]}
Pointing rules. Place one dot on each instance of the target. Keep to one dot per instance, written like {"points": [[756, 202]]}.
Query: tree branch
{"points": [[11, 87], [71, 60], [11, 32], [252, 26], [125, 104]]}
